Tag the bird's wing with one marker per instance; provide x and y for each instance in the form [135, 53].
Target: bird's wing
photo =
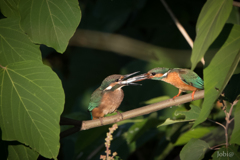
[191, 78]
[95, 99]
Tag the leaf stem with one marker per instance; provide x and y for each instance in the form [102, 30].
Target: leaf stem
[180, 27]
[217, 123]
[228, 121]
[214, 147]
[237, 4]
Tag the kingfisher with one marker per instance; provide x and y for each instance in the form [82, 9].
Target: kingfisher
[108, 97]
[183, 79]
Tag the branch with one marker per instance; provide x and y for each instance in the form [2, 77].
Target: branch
[220, 124]
[237, 4]
[69, 131]
[180, 27]
[68, 121]
[142, 110]
[228, 121]
[126, 46]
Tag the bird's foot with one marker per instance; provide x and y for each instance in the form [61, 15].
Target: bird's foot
[175, 97]
[101, 121]
[179, 92]
[193, 95]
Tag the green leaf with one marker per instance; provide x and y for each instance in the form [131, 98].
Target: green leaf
[220, 70]
[15, 45]
[168, 121]
[51, 22]
[194, 150]
[9, 8]
[235, 138]
[31, 102]
[193, 133]
[234, 16]
[192, 114]
[212, 18]
[157, 99]
[18, 152]
[227, 153]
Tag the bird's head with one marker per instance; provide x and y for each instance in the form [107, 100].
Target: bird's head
[155, 74]
[116, 81]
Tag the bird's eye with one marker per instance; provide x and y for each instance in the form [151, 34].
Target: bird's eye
[153, 73]
[116, 80]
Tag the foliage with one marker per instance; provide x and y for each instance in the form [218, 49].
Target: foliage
[32, 97]
[37, 85]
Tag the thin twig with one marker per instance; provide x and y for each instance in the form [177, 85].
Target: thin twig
[217, 123]
[180, 27]
[178, 24]
[231, 120]
[237, 4]
[217, 146]
[228, 121]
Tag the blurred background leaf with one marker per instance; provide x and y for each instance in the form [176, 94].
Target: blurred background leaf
[194, 150]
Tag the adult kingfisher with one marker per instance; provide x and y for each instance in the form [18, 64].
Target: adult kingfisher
[183, 79]
[108, 97]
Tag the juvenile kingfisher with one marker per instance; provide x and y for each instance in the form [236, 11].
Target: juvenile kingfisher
[108, 97]
[183, 79]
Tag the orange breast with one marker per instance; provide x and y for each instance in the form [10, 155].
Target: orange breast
[174, 79]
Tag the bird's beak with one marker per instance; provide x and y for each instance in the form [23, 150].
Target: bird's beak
[129, 75]
[134, 79]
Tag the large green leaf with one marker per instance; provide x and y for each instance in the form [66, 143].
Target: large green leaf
[212, 18]
[15, 45]
[9, 8]
[194, 150]
[220, 70]
[50, 22]
[19, 152]
[31, 102]
[235, 138]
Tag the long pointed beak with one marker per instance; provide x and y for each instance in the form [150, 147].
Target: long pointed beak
[134, 79]
[129, 75]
